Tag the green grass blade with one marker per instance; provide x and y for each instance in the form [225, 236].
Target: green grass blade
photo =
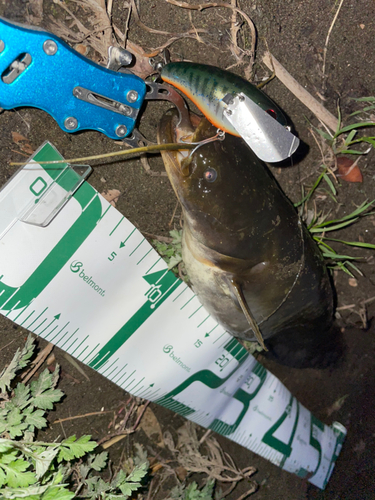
[364, 99]
[310, 193]
[355, 214]
[354, 243]
[351, 136]
[349, 152]
[330, 183]
[348, 128]
[364, 110]
[326, 226]
[353, 266]
[345, 269]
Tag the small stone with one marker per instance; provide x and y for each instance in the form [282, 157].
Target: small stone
[352, 282]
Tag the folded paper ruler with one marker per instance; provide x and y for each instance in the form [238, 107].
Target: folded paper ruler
[77, 273]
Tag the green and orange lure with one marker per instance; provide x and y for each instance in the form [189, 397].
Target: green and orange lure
[206, 86]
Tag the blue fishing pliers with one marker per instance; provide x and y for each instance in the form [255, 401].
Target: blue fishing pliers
[39, 70]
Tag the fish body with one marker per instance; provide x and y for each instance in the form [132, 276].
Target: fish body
[207, 85]
[244, 246]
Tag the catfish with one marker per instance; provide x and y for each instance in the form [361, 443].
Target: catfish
[249, 257]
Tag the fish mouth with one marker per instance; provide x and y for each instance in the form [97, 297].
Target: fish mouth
[169, 132]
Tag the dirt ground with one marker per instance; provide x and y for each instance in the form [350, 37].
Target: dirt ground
[295, 32]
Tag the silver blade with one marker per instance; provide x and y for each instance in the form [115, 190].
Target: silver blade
[269, 140]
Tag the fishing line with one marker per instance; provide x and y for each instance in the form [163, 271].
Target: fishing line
[143, 149]
[220, 136]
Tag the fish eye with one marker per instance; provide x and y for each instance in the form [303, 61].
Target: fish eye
[210, 175]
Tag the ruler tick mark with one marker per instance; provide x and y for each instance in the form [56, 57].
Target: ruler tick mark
[89, 354]
[36, 319]
[200, 324]
[136, 248]
[186, 288]
[116, 226]
[186, 303]
[145, 255]
[153, 265]
[191, 315]
[78, 346]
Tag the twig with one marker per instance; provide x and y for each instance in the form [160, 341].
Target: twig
[127, 416]
[326, 44]
[305, 97]
[82, 416]
[194, 28]
[159, 32]
[148, 169]
[234, 28]
[19, 153]
[163, 239]
[249, 492]
[141, 415]
[204, 437]
[367, 301]
[109, 9]
[62, 428]
[174, 213]
[157, 50]
[42, 356]
[11, 342]
[115, 439]
[344, 308]
[200, 7]
[127, 23]
[108, 441]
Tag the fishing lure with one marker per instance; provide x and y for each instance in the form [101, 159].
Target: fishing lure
[207, 86]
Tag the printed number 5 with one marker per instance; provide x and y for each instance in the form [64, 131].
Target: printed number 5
[113, 255]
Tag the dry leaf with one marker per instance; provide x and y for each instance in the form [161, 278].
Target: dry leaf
[34, 14]
[23, 143]
[142, 66]
[150, 425]
[156, 467]
[51, 359]
[181, 473]
[336, 405]
[113, 441]
[81, 48]
[348, 170]
[18, 137]
[112, 195]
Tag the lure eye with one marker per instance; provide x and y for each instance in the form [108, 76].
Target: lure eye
[210, 175]
[272, 113]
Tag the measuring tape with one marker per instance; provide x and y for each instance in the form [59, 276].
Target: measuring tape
[77, 273]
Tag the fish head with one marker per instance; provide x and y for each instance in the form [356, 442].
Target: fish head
[224, 190]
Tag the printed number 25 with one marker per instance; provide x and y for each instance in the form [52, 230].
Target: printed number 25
[274, 442]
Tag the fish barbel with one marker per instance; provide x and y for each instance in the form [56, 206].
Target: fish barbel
[250, 259]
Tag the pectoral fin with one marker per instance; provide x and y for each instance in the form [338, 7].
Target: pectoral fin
[237, 290]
